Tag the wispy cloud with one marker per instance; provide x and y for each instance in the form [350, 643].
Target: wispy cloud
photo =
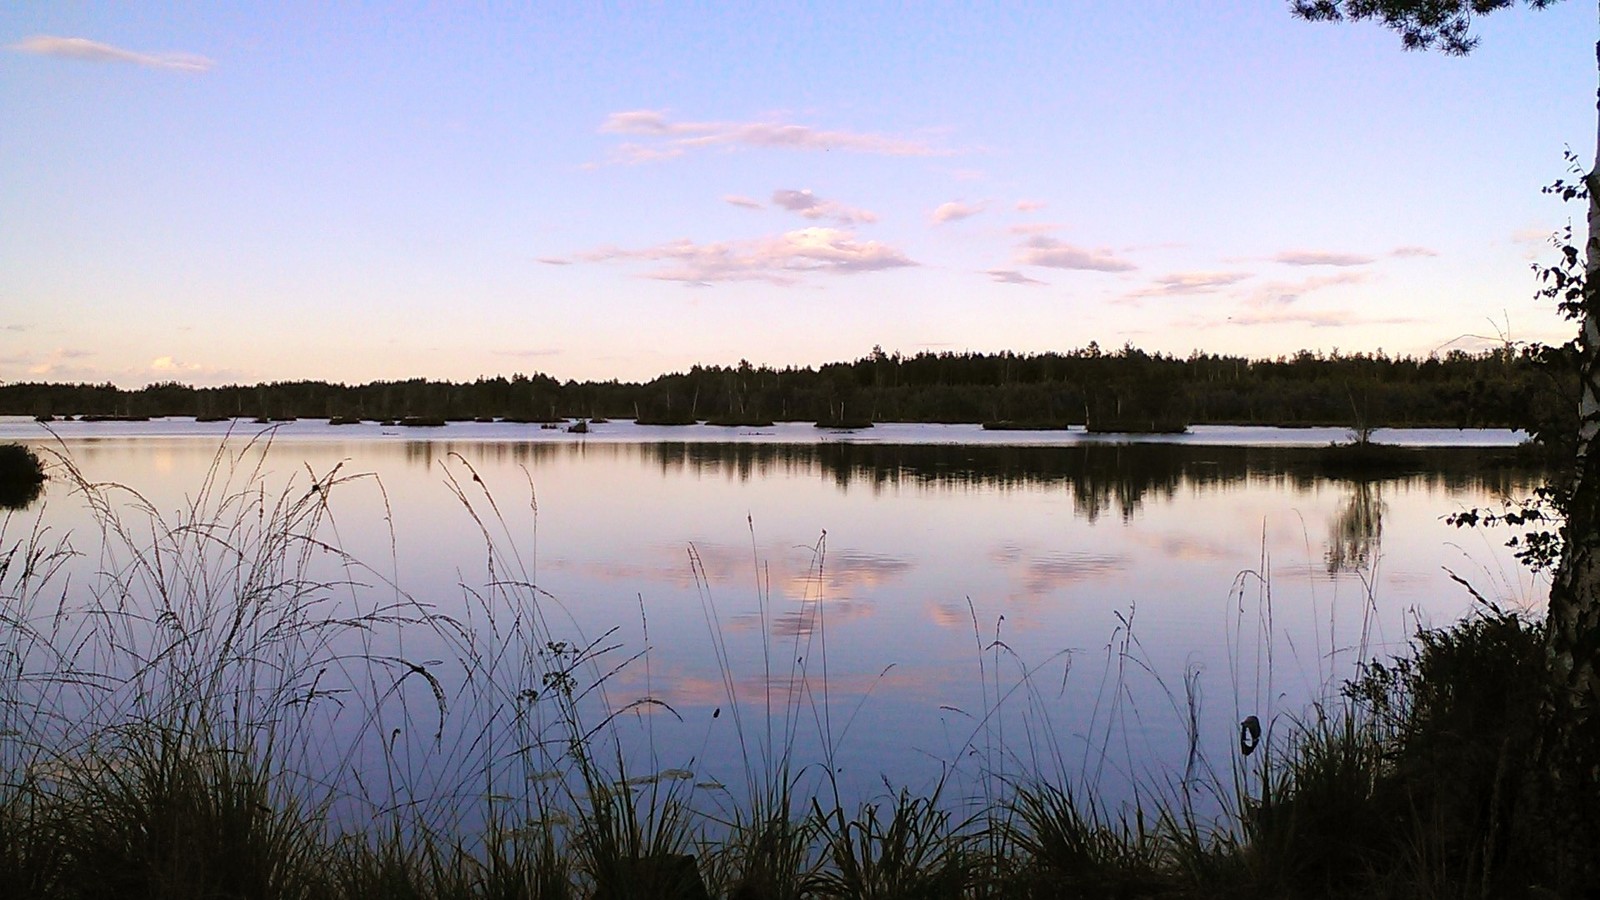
[555, 261]
[1316, 318]
[1012, 276]
[94, 51]
[663, 138]
[63, 364]
[809, 206]
[742, 202]
[1278, 303]
[1283, 293]
[1412, 251]
[1177, 283]
[529, 353]
[1029, 205]
[955, 211]
[78, 364]
[635, 154]
[781, 260]
[1034, 228]
[1053, 253]
[170, 365]
[1321, 258]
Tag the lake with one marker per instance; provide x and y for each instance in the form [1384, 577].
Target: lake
[908, 602]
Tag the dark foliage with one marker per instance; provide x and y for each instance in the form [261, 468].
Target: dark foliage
[1421, 24]
[1457, 787]
[21, 476]
[1506, 387]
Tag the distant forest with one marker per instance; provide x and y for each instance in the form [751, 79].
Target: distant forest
[1505, 387]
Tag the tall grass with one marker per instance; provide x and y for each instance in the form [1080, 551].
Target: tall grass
[220, 702]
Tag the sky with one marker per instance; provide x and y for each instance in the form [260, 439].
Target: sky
[220, 193]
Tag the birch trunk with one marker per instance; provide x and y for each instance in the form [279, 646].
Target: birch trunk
[1574, 621]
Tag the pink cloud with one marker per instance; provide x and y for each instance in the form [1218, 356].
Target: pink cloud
[955, 210]
[1191, 283]
[1328, 318]
[1056, 254]
[1012, 276]
[1029, 205]
[1412, 251]
[1283, 293]
[1277, 303]
[1321, 258]
[809, 206]
[94, 51]
[742, 202]
[782, 260]
[1034, 228]
[670, 138]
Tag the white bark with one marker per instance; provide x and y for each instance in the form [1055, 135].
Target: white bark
[1574, 623]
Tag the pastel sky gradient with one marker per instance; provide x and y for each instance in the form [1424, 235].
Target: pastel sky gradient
[212, 194]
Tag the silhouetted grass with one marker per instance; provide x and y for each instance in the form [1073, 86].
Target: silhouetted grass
[225, 711]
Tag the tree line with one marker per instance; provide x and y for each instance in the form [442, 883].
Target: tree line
[1504, 387]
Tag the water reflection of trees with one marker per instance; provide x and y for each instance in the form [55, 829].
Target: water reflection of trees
[1357, 530]
[19, 493]
[1100, 477]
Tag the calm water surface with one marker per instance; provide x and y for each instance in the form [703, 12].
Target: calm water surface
[977, 598]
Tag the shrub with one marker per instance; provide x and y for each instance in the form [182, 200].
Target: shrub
[21, 476]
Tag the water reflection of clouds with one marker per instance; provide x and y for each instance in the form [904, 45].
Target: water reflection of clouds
[850, 570]
[951, 615]
[682, 690]
[786, 575]
[1185, 547]
[797, 569]
[802, 622]
[1058, 570]
[838, 583]
[1042, 574]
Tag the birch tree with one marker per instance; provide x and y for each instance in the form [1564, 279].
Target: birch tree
[1572, 748]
